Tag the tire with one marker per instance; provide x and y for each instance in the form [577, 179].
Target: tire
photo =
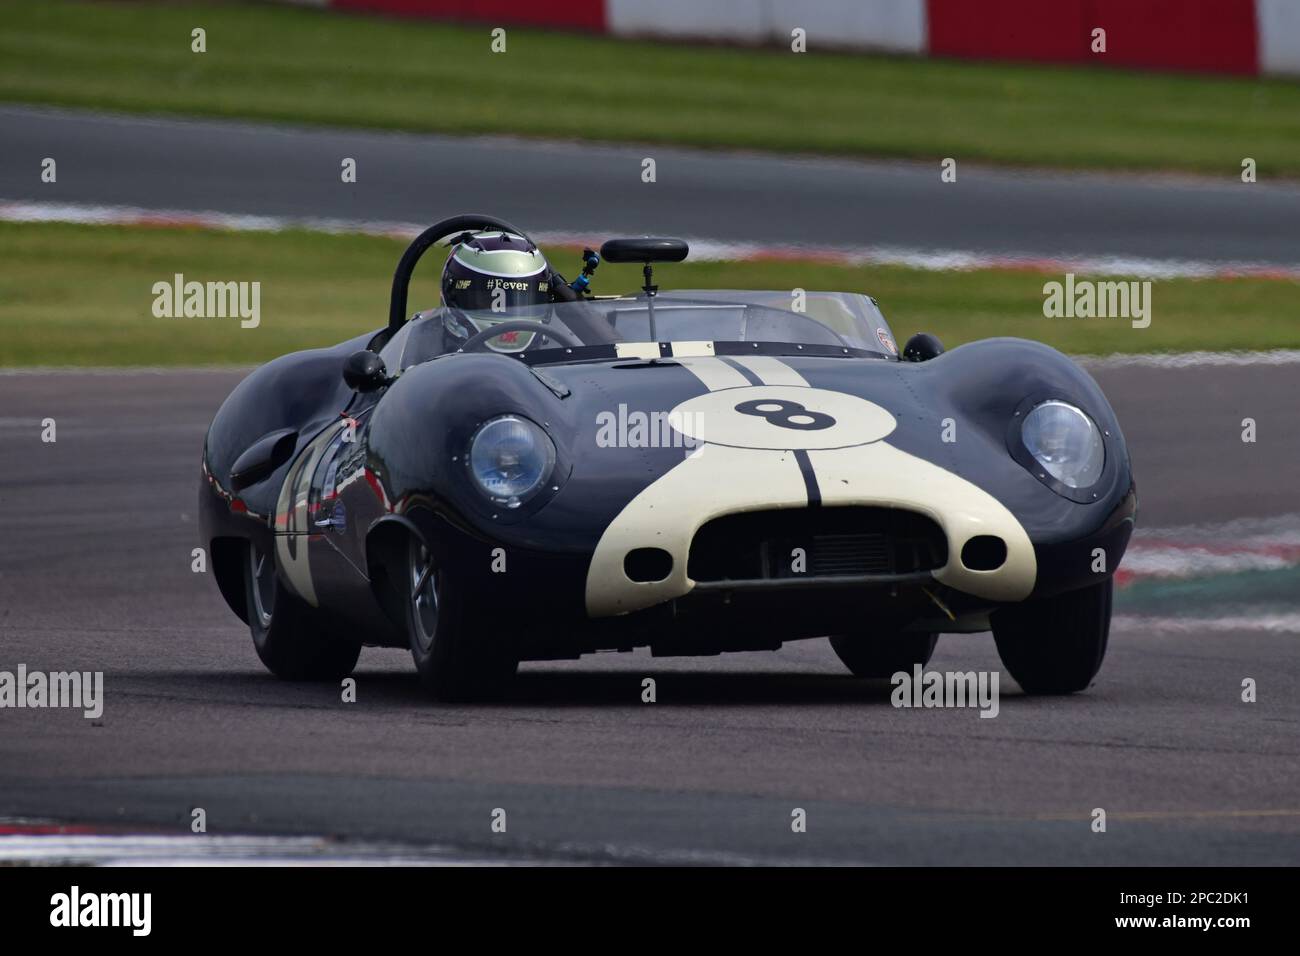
[1055, 645]
[868, 655]
[292, 638]
[454, 662]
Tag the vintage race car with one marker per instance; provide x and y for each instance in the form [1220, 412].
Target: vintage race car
[695, 472]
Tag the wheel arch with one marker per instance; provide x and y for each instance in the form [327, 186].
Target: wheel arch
[386, 555]
[228, 555]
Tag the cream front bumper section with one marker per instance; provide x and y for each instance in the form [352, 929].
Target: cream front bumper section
[741, 466]
[723, 480]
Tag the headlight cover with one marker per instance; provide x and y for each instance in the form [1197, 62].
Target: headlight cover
[1065, 442]
[510, 459]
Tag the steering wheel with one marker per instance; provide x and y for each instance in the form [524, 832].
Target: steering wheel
[520, 325]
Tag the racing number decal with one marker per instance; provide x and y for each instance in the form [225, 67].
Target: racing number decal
[786, 414]
[781, 418]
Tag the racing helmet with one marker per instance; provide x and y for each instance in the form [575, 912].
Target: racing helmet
[494, 277]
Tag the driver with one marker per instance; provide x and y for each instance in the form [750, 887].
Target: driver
[490, 278]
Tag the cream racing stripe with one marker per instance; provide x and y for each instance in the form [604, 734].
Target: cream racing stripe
[651, 350]
[292, 521]
[692, 349]
[668, 513]
[714, 373]
[637, 350]
[880, 474]
[772, 371]
[717, 374]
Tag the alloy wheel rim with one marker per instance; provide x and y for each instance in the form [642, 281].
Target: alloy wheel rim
[263, 568]
[424, 594]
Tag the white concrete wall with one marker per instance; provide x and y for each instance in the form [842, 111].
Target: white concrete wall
[895, 25]
[1278, 22]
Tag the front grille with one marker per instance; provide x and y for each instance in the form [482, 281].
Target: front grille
[833, 541]
[844, 554]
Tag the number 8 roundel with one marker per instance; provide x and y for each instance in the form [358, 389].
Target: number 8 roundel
[786, 414]
[782, 417]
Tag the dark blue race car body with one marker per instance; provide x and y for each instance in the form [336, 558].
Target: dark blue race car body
[739, 480]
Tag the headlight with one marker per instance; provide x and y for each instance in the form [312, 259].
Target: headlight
[510, 458]
[1065, 442]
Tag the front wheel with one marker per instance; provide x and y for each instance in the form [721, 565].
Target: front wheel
[454, 663]
[869, 655]
[1055, 645]
[291, 637]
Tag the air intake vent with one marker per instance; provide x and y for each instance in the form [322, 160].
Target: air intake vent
[984, 552]
[806, 542]
[647, 564]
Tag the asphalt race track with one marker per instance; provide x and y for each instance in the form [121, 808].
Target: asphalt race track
[202, 165]
[95, 574]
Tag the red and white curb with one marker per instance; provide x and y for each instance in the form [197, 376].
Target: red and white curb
[1193, 560]
[1210, 553]
[703, 249]
[1195, 551]
[1230, 36]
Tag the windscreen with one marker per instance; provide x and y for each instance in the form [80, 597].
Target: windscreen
[798, 318]
[831, 319]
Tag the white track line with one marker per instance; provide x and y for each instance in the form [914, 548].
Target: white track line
[211, 850]
[1144, 561]
[1265, 623]
[703, 249]
[1282, 529]
[1184, 360]
[42, 370]
[136, 849]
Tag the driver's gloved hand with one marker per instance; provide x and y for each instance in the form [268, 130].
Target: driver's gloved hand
[560, 289]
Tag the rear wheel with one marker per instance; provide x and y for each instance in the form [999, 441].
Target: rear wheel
[868, 655]
[1055, 645]
[292, 638]
[454, 663]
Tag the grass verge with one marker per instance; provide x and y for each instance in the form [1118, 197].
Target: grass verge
[82, 295]
[309, 66]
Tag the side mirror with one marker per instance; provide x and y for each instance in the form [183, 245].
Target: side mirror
[365, 371]
[921, 347]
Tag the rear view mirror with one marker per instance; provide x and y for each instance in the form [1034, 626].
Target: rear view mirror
[644, 249]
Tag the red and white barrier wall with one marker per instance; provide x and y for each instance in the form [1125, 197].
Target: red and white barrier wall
[1227, 36]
